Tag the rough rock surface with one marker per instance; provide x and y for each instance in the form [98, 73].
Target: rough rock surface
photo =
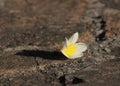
[32, 33]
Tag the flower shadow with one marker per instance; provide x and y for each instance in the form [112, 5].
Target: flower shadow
[53, 55]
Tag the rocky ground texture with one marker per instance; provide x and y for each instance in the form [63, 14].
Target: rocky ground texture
[32, 33]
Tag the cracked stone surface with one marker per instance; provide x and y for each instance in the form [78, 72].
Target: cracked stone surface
[32, 34]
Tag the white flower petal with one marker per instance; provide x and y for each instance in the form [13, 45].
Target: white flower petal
[81, 47]
[66, 40]
[73, 39]
[78, 55]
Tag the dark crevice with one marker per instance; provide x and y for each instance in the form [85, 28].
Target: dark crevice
[62, 80]
[101, 37]
[100, 30]
[77, 80]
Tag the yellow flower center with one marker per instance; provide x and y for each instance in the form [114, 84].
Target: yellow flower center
[70, 50]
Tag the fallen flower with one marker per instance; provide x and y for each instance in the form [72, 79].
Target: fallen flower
[72, 49]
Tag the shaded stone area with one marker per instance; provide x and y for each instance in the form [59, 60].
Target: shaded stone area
[32, 34]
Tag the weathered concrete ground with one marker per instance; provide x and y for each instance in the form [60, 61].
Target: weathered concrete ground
[33, 31]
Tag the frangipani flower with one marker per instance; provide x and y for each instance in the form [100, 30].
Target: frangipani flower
[72, 49]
